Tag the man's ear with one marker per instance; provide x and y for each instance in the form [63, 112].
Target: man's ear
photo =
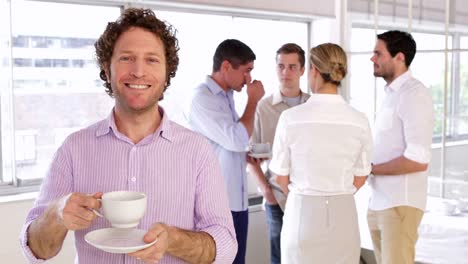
[400, 57]
[225, 66]
[106, 71]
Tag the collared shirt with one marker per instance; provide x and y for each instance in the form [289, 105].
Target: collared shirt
[267, 114]
[322, 144]
[403, 127]
[213, 115]
[175, 167]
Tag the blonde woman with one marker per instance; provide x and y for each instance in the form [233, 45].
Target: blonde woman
[321, 153]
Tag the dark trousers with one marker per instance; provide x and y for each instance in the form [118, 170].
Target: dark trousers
[274, 216]
[241, 224]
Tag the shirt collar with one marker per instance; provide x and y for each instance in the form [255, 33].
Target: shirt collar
[164, 130]
[278, 97]
[398, 82]
[330, 98]
[214, 86]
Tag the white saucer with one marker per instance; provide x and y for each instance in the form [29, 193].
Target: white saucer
[118, 240]
[260, 155]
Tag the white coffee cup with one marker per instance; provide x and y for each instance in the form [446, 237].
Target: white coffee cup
[123, 209]
[260, 148]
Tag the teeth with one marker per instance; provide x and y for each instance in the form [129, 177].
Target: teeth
[138, 86]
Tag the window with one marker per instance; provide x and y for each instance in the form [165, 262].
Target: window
[54, 89]
[200, 34]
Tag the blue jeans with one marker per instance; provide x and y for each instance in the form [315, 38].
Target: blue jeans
[241, 225]
[274, 216]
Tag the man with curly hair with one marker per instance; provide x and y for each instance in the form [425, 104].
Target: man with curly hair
[137, 148]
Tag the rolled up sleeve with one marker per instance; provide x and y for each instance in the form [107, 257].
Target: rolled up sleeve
[416, 112]
[363, 166]
[28, 254]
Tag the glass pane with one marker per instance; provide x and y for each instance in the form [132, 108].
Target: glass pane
[195, 56]
[425, 41]
[461, 126]
[362, 39]
[197, 48]
[56, 83]
[6, 150]
[464, 42]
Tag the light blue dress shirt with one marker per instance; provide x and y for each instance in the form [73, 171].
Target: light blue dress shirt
[213, 114]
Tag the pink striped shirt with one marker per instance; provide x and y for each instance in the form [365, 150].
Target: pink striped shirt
[175, 167]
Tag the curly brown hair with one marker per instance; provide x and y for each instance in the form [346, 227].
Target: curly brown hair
[145, 19]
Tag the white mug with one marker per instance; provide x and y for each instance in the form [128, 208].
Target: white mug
[123, 209]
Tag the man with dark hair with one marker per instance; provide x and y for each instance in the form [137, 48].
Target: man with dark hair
[137, 148]
[290, 61]
[402, 151]
[213, 115]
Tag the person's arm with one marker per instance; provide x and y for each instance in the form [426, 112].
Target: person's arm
[72, 212]
[255, 92]
[283, 182]
[363, 166]
[398, 166]
[415, 110]
[265, 187]
[210, 117]
[46, 234]
[254, 165]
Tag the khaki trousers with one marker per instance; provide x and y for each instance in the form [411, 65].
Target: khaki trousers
[394, 233]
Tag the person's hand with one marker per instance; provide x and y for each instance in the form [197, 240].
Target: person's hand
[269, 196]
[75, 210]
[154, 253]
[254, 161]
[255, 89]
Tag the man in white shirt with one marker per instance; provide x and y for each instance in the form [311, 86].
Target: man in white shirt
[290, 66]
[402, 150]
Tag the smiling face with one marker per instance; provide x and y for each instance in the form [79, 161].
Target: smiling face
[137, 71]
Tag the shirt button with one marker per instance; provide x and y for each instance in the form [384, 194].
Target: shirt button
[133, 179]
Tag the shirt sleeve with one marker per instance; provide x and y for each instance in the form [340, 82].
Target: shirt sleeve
[208, 116]
[56, 184]
[212, 213]
[363, 166]
[416, 112]
[280, 162]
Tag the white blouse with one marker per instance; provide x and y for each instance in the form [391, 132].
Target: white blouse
[322, 144]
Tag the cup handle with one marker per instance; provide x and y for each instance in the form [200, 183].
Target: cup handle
[97, 212]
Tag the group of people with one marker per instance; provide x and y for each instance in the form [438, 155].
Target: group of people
[196, 179]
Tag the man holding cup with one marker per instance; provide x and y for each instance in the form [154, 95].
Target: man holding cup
[135, 149]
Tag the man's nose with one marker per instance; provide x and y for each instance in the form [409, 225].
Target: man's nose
[138, 69]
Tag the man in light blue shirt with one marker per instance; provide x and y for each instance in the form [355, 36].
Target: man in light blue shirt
[213, 115]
